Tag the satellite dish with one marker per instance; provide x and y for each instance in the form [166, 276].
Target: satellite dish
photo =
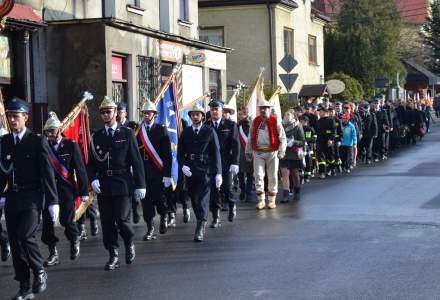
[335, 86]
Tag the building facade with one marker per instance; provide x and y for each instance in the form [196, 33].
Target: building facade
[262, 33]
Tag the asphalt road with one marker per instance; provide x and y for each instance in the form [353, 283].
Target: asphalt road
[374, 234]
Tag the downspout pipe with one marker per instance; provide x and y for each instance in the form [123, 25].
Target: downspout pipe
[269, 12]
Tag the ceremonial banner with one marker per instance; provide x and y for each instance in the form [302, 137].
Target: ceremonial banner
[232, 103]
[275, 101]
[255, 96]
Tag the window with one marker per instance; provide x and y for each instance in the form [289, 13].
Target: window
[215, 84]
[212, 35]
[288, 41]
[313, 55]
[119, 78]
[134, 3]
[184, 10]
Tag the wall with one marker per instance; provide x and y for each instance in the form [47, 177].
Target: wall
[247, 32]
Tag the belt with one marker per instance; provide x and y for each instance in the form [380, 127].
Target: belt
[111, 173]
[196, 156]
[24, 187]
[264, 150]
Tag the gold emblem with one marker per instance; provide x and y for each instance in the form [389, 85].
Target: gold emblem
[100, 151]
[8, 157]
[97, 147]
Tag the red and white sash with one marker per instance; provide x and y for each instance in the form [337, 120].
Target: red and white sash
[150, 148]
[243, 136]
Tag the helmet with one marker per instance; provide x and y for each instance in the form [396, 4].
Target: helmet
[149, 106]
[52, 122]
[197, 108]
[107, 102]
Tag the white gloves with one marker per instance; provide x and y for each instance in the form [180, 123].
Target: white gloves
[166, 182]
[96, 187]
[140, 193]
[233, 169]
[186, 171]
[54, 211]
[290, 142]
[84, 198]
[218, 180]
[2, 202]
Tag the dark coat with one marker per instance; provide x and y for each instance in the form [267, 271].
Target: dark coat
[200, 152]
[32, 172]
[369, 125]
[297, 133]
[160, 140]
[326, 129]
[245, 165]
[123, 154]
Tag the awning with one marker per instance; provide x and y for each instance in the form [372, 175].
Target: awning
[21, 13]
[417, 73]
[314, 90]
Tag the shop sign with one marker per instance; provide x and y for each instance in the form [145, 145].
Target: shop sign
[196, 57]
[117, 67]
[171, 51]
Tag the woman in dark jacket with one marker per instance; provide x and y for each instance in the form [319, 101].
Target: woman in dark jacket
[246, 170]
[293, 161]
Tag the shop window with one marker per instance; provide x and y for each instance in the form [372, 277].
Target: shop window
[149, 77]
[166, 69]
[119, 78]
[313, 51]
[215, 84]
[135, 3]
[184, 10]
[288, 41]
[212, 35]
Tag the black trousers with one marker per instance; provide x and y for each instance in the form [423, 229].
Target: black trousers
[67, 215]
[326, 156]
[22, 227]
[380, 145]
[199, 190]
[179, 195]
[346, 156]
[3, 233]
[115, 216]
[366, 147]
[155, 199]
[223, 195]
[246, 182]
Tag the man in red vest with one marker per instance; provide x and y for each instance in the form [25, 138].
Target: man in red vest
[266, 145]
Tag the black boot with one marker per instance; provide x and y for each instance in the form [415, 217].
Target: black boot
[136, 216]
[24, 293]
[94, 227]
[232, 212]
[52, 260]
[163, 227]
[216, 219]
[150, 235]
[200, 231]
[40, 279]
[296, 196]
[130, 253]
[83, 232]
[186, 215]
[74, 249]
[285, 196]
[113, 262]
[6, 250]
[171, 220]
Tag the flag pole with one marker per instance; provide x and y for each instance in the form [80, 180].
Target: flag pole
[76, 110]
[256, 82]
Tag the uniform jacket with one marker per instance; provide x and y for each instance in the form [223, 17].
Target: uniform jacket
[296, 133]
[122, 155]
[160, 140]
[31, 168]
[382, 120]
[129, 124]
[245, 165]
[369, 125]
[227, 133]
[200, 152]
[69, 155]
[326, 129]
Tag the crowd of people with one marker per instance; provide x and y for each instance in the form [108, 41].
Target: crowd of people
[131, 164]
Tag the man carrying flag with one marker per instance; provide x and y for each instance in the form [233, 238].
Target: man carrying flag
[155, 148]
[71, 180]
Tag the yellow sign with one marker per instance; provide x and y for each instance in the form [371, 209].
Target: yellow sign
[196, 57]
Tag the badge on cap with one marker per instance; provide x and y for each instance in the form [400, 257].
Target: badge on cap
[8, 157]
[97, 147]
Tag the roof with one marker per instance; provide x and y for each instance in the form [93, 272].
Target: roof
[412, 11]
[432, 78]
[313, 90]
[212, 3]
[24, 13]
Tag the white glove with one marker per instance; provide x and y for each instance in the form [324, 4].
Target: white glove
[54, 211]
[218, 180]
[140, 193]
[96, 186]
[290, 143]
[233, 169]
[186, 171]
[2, 202]
[166, 182]
[84, 198]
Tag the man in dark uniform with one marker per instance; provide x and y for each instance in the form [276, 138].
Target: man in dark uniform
[227, 133]
[155, 148]
[122, 119]
[71, 179]
[114, 164]
[369, 132]
[325, 142]
[380, 147]
[311, 114]
[26, 171]
[199, 158]
[246, 172]
[337, 162]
